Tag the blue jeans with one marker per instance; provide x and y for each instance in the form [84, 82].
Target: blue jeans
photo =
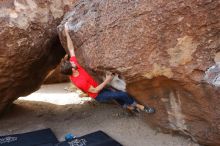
[123, 98]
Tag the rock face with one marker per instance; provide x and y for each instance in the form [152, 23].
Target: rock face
[29, 45]
[162, 49]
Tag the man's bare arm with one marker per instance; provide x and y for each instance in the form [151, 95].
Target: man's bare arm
[102, 85]
[70, 46]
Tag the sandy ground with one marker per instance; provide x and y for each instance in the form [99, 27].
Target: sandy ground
[65, 112]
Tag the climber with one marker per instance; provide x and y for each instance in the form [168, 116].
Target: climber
[86, 83]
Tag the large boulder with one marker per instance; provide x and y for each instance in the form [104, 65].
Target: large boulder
[162, 49]
[29, 45]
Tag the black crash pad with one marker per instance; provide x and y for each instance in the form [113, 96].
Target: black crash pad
[98, 138]
[43, 137]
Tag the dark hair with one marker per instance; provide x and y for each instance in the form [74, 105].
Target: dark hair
[66, 67]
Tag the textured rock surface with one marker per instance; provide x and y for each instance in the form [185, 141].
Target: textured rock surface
[162, 49]
[29, 45]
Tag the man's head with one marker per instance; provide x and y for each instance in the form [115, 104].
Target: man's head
[67, 67]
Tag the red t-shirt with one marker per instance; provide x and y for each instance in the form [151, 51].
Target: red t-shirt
[83, 81]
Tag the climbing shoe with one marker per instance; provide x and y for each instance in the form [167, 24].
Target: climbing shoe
[135, 110]
[149, 110]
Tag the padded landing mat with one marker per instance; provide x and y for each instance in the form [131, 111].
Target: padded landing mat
[43, 137]
[98, 138]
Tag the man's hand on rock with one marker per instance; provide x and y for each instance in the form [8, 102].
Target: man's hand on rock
[109, 76]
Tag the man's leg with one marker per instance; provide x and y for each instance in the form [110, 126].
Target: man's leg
[129, 102]
[146, 109]
[120, 102]
[121, 97]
